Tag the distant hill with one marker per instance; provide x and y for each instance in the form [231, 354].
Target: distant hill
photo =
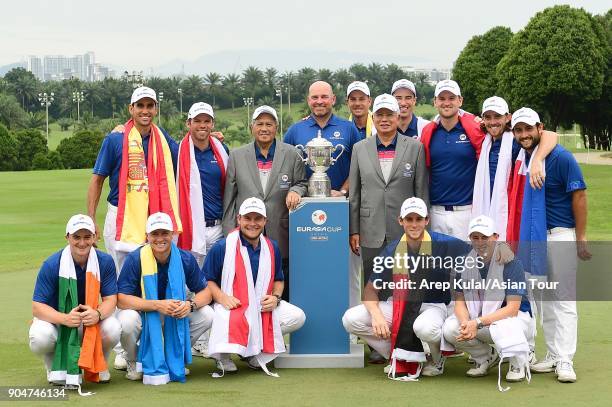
[5, 68]
[236, 61]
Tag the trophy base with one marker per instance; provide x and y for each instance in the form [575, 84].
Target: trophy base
[319, 186]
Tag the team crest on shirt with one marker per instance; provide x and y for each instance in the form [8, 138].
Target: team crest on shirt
[285, 177]
[319, 217]
[408, 166]
[462, 137]
[337, 135]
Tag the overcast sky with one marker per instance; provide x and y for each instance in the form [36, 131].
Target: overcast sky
[139, 34]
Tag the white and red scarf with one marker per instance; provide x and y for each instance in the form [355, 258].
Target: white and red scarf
[189, 185]
[246, 330]
[494, 205]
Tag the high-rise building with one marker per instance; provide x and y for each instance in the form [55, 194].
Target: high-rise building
[59, 67]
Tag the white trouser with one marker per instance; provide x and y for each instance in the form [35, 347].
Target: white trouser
[453, 223]
[43, 336]
[213, 235]
[131, 325]
[290, 317]
[559, 317]
[354, 279]
[427, 326]
[479, 348]
[110, 231]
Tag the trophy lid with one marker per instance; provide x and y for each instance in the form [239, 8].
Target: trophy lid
[319, 142]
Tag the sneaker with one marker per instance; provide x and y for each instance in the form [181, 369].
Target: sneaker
[104, 377]
[132, 374]
[545, 366]
[227, 365]
[456, 354]
[200, 348]
[376, 358]
[120, 361]
[434, 369]
[387, 369]
[565, 372]
[187, 371]
[515, 373]
[482, 369]
[253, 363]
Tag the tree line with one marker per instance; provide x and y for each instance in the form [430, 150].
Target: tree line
[559, 64]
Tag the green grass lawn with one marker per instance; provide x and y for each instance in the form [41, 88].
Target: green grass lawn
[33, 212]
[56, 135]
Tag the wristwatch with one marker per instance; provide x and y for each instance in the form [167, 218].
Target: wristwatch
[192, 305]
[479, 324]
[278, 299]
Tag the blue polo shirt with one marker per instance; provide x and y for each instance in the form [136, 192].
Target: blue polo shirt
[412, 129]
[260, 157]
[130, 278]
[442, 246]
[494, 158]
[213, 265]
[563, 176]
[210, 178]
[453, 167]
[108, 163]
[337, 131]
[513, 273]
[381, 147]
[47, 281]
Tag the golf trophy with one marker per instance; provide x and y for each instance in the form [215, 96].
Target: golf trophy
[319, 158]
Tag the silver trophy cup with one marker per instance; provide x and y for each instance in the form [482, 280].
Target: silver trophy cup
[318, 156]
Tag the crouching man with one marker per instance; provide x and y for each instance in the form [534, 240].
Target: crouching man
[491, 307]
[155, 310]
[397, 327]
[72, 329]
[245, 277]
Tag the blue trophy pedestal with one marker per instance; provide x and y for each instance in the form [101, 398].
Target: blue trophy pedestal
[319, 285]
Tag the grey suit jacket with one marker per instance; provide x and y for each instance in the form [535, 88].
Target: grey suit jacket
[375, 204]
[287, 174]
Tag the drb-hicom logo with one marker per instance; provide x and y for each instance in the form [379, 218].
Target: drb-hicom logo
[319, 217]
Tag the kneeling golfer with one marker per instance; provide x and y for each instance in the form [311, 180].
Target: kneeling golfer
[245, 277]
[398, 326]
[72, 329]
[155, 310]
[491, 307]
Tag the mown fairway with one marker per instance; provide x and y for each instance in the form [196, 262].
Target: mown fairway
[33, 211]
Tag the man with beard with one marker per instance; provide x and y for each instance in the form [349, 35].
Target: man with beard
[321, 100]
[564, 204]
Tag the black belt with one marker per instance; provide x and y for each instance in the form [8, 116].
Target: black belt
[213, 222]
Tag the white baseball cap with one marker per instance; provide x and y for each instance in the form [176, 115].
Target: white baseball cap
[141, 93]
[413, 205]
[525, 115]
[252, 205]
[159, 220]
[495, 104]
[482, 224]
[447, 85]
[200, 108]
[403, 84]
[78, 222]
[358, 85]
[385, 101]
[264, 109]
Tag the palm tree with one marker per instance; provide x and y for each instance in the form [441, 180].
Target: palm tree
[271, 75]
[252, 77]
[212, 80]
[231, 84]
[192, 89]
[23, 84]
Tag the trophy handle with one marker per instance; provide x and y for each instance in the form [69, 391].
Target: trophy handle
[301, 152]
[333, 160]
